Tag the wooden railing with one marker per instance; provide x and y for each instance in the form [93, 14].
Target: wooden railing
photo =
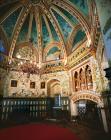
[18, 109]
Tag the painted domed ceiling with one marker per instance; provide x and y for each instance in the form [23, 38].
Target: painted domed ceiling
[43, 29]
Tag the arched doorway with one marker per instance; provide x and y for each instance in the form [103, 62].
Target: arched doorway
[88, 108]
[88, 112]
[54, 88]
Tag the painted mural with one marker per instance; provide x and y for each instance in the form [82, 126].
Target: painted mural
[104, 11]
[45, 33]
[82, 5]
[11, 21]
[73, 20]
[34, 33]
[64, 25]
[80, 35]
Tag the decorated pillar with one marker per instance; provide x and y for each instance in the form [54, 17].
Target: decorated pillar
[84, 86]
[85, 80]
[79, 82]
[39, 38]
[71, 82]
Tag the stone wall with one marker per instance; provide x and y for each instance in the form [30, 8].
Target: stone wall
[61, 77]
[23, 83]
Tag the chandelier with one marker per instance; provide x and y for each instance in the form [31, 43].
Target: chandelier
[24, 66]
[29, 67]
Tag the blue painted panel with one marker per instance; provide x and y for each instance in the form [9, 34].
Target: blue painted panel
[68, 15]
[52, 50]
[34, 33]
[24, 30]
[81, 5]
[65, 27]
[45, 33]
[54, 33]
[9, 23]
[80, 35]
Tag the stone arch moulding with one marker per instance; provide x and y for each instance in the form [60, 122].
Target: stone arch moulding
[49, 46]
[53, 81]
[49, 83]
[88, 96]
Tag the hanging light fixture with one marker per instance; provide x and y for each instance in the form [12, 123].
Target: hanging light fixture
[28, 66]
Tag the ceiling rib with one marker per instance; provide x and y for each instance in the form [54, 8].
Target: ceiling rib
[74, 11]
[17, 29]
[55, 24]
[48, 27]
[63, 16]
[30, 27]
[39, 37]
[9, 12]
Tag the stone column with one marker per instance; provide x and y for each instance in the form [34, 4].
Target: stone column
[78, 82]
[6, 85]
[85, 80]
[74, 110]
[105, 125]
[71, 83]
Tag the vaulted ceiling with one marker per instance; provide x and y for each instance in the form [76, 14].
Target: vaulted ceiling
[49, 26]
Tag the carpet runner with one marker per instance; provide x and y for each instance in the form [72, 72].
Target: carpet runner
[37, 132]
